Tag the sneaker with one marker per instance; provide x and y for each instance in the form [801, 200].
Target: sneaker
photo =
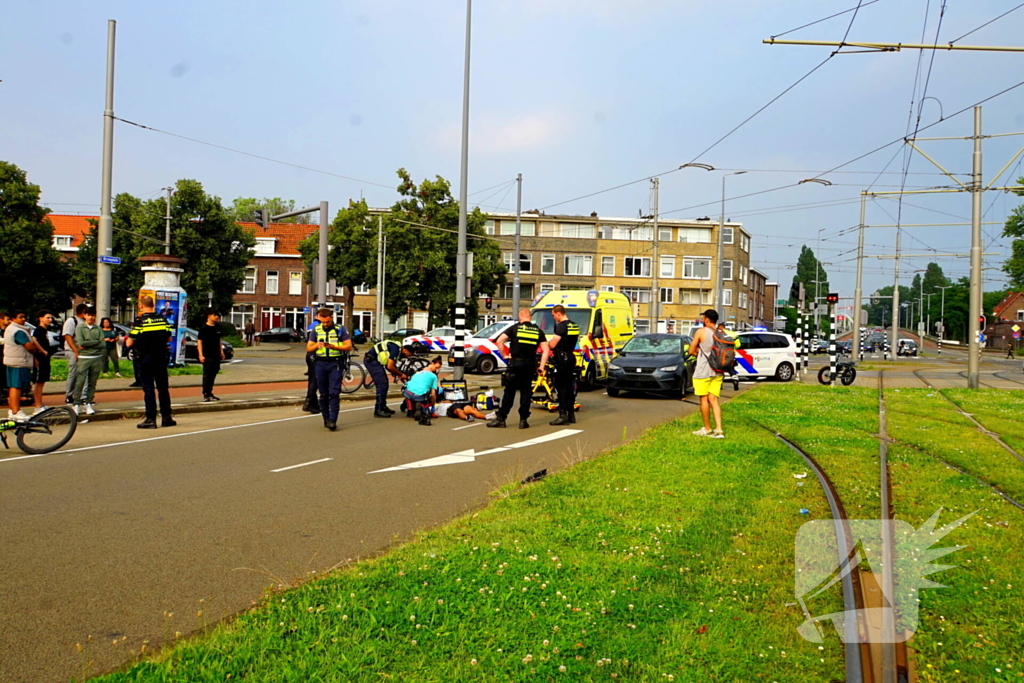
[40, 409]
[77, 408]
[717, 434]
[214, 398]
[702, 432]
[19, 416]
[117, 374]
[89, 410]
[68, 400]
[470, 418]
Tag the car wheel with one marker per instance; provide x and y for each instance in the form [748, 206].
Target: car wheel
[613, 392]
[784, 373]
[486, 365]
[589, 380]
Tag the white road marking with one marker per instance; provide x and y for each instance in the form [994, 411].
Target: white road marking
[311, 462]
[475, 424]
[470, 455]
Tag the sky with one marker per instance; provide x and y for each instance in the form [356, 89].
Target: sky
[578, 96]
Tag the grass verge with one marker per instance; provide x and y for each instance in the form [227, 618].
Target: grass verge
[59, 370]
[999, 411]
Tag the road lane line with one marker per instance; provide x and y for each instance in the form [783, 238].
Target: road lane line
[311, 462]
[470, 455]
[475, 424]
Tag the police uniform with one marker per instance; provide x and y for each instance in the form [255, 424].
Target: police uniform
[523, 340]
[312, 404]
[327, 368]
[376, 363]
[565, 369]
[150, 334]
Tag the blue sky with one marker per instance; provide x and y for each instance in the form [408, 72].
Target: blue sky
[577, 96]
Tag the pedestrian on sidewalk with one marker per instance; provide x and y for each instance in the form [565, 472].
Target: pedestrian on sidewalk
[71, 351]
[1009, 348]
[329, 344]
[149, 339]
[250, 331]
[89, 340]
[41, 371]
[111, 338]
[421, 389]
[380, 361]
[524, 340]
[707, 384]
[211, 352]
[19, 348]
[563, 344]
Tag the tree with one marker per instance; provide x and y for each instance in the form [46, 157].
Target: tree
[33, 275]
[1014, 227]
[812, 274]
[243, 209]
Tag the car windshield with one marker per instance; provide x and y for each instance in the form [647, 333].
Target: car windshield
[492, 330]
[440, 332]
[543, 319]
[653, 345]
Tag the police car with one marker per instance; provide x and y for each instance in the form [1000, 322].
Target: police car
[765, 354]
[482, 354]
[437, 340]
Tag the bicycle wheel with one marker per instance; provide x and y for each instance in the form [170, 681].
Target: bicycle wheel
[47, 431]
[411, 366]
[848, 377]
[352, 378]
[825, 375]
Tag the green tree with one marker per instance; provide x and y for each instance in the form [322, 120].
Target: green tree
[243, 209]
[812, 274]
[33, 274]
[1014, 227]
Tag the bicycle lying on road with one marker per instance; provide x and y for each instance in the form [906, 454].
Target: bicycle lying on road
[43, 432]
[845, 373]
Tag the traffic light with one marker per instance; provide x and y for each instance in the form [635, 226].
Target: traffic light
[981, 323]
[262, 218]
[487, 303]
[832, 298]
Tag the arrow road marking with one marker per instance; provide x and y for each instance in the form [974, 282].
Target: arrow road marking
[471, 454]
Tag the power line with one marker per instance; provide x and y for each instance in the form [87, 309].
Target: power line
[987, 23]
[832, 16]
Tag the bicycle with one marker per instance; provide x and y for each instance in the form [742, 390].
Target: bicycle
[44, 432]
[845, 373]
[354, 375]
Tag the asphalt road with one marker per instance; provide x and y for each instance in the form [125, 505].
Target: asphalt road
[129, 536]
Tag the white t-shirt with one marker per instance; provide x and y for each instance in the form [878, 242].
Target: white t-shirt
[70, 325]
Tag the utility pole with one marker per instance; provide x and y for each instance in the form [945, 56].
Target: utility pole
[105, 228]
[167, 222]
[896, 295]
[460, 261]
[720, 287]
[942, 315]
[857, 293]
[974, 301]
[656, 265]
[517, 256]
[379, 317]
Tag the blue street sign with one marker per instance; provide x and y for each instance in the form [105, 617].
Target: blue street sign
[305, 309]
[112, 260]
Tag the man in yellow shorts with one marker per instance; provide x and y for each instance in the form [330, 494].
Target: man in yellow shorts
[707, 384]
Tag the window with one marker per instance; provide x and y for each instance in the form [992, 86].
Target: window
[666, 295]
[637, 295]
[547, 264]
[526, 228]
[664, 234]
[644, 234]
[744, 242]
[697, 268]
[578, 264]
[727, 297]
[249, 283]
[637, 267]
[489, 227]
[525, 262]
[242, 314]
[641, 326]
[525, 291]
[668, 266]
[607, 288]
[546, 287]
[695, 296]
[743, 274]
[361, 289]
[549, 229]
[743, 299]
[584, 230]
[295, 283]
[61, 241]
[294, 318]
[726, 270]
[727, 234]
[1020, 316]
[265, 245]
[695, 235]
[608, 266]
[272, 280]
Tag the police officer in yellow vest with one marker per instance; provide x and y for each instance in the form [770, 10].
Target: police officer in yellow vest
[328, 344]
[523, 338]
[380, 360]
[563, 345]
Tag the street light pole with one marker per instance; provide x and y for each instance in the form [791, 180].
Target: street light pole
[460, 260]
[105, 227]
[167, 218]
[720, 289]
[656, 265]
[857, 291]
[519, 220]
[974, 305]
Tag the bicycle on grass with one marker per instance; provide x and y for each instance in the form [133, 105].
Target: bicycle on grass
[44, 432]
[354, 376]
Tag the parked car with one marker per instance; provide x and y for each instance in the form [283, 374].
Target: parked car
[438, 339]
[766, 354]
[288, 335]
[192, 346]
[482, 354]
[653, 363]
[399, 335]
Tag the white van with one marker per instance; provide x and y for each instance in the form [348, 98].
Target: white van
[766, 354]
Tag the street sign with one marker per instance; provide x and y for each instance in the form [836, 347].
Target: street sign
[1016, 335]
[781, 302]
[112, 260]
[305, 309]
[1015, 328]
[822, 309]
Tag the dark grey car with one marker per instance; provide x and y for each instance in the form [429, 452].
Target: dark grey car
[653, 363]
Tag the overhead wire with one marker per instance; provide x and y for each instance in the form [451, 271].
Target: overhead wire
[987, 23]
[831, 16]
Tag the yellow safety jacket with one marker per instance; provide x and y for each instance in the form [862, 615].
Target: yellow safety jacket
[382, 350]
[330, 337]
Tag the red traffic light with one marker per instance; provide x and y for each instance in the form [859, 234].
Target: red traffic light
[487, 303]
[832, 298]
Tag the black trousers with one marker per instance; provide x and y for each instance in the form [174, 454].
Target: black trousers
[380, 381]
[210, 369]
[565, 385]
[311, 399]
[153, 378]
[518, 380]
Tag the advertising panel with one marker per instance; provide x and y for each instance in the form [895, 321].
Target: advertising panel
[173, 306]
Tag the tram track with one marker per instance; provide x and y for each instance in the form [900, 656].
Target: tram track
[1007, 379]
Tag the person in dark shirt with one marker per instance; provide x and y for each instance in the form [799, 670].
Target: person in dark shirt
[41, 372]
[563, 344]
[381, 360]
[149, 336]
[523, 338]
[211, 353]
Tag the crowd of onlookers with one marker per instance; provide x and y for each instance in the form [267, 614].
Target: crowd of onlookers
[27, 350]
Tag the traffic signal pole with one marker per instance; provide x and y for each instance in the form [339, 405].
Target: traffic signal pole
[974, 301]
[857, 291]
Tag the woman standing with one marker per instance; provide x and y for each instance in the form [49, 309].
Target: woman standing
[111, 337]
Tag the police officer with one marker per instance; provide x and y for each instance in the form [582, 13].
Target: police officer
[328, 344]
[380, 360]
[148, 339]
[523, 338]
[563, 344]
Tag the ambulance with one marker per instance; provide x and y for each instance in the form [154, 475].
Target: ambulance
[605, 320]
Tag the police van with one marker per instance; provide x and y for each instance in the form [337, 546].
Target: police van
[605, 320]
[764, 354]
